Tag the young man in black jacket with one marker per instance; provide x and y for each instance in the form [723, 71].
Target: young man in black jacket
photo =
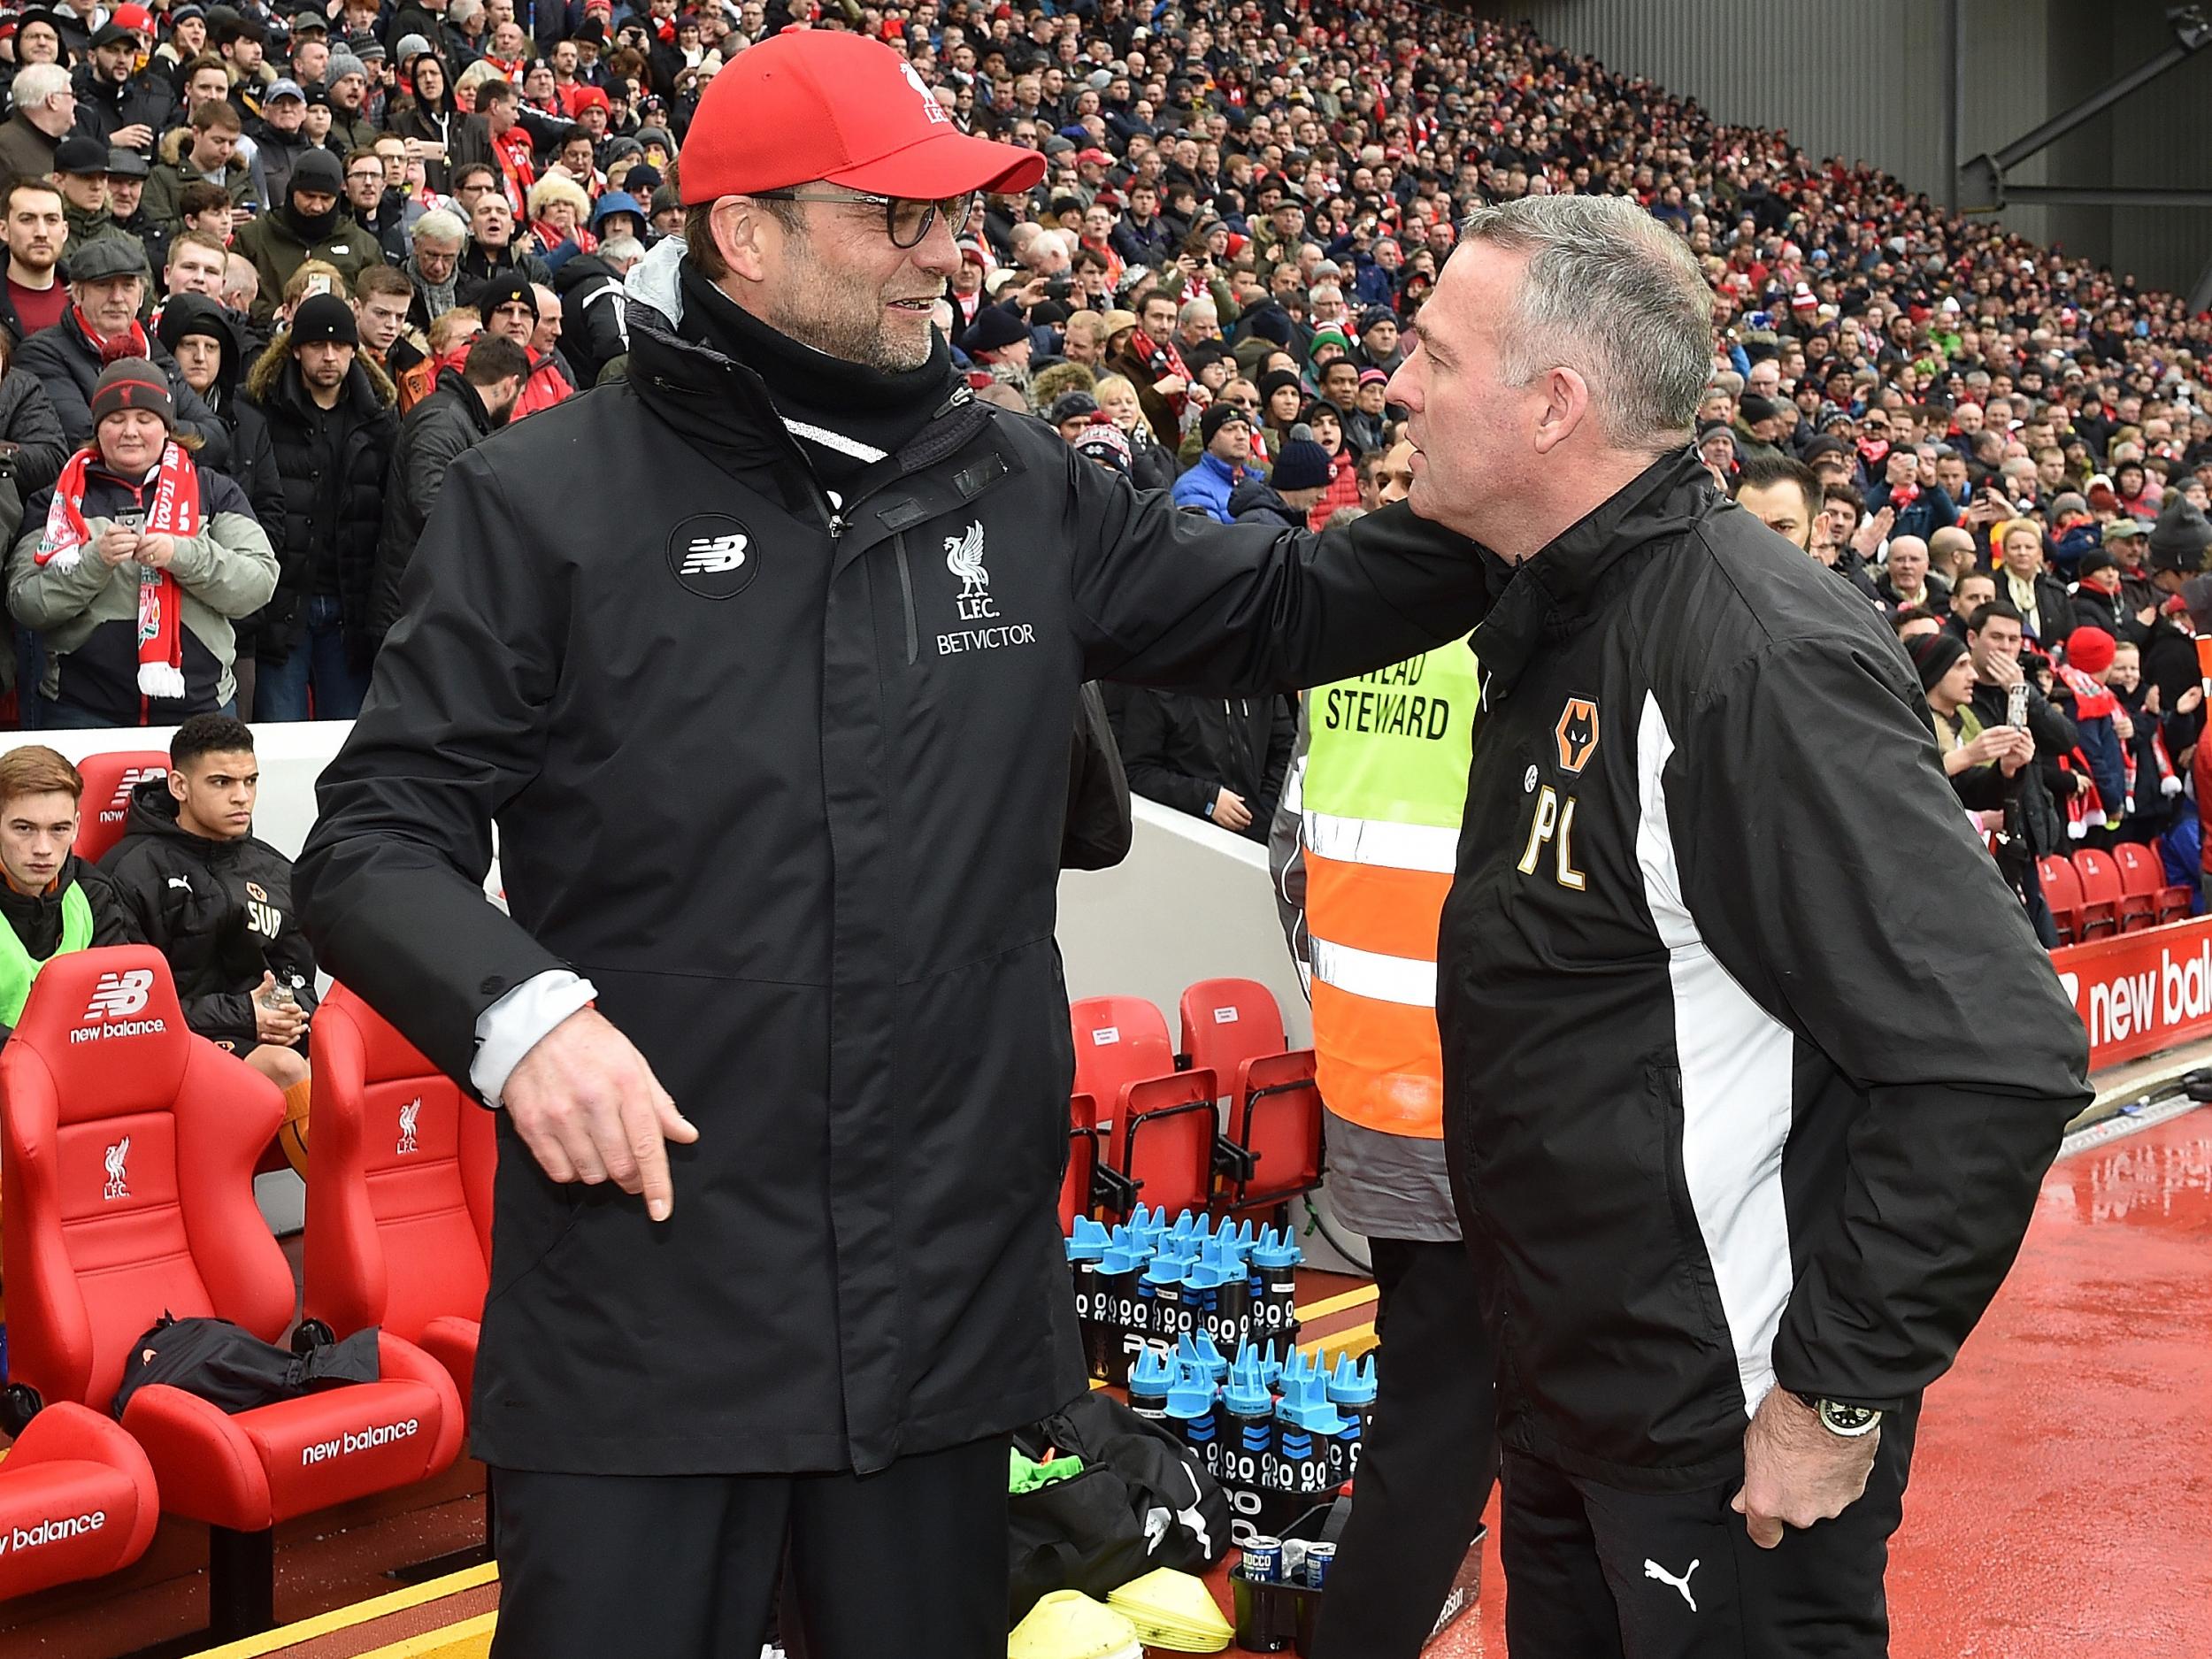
[1219, 758]
[331, 425]
[1744, 1132]
[51, 900]
[217, 901]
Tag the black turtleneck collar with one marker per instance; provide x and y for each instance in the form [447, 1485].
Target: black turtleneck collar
[881, 410]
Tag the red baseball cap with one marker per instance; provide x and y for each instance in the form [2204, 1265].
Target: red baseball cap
[841, 108]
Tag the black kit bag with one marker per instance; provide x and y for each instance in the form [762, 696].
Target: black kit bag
[1143, 1501]
[232, 1368]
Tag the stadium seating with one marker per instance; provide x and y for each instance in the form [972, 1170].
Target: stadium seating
[1234, 1029]
[2100, 895]
[77, 1500]
[126, 1151]
[105, 804]
[1160, 1130]
[2143, 881]
[399, 1190]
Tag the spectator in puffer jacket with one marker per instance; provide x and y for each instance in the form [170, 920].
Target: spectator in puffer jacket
[331, 423]
[1226, 432]
[132, 510]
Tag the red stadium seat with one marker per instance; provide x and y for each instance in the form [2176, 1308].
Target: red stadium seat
[1082, 1166]
[2143, 878]
[2062, 893]
[126, 1155]
[2099, 877]
[108, 783]
[1235, 1028]
[399, 1190]
[1161, 1129]
[77, 1500]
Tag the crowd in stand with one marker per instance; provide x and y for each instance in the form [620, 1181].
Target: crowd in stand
[269, 273]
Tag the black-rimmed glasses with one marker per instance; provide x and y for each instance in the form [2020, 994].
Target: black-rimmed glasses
[906, 219]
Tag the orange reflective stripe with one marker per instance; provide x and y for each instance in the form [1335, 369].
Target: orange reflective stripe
[1379, 1064]
[1371, 908]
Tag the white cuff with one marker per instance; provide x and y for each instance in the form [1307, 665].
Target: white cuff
[511, 1028]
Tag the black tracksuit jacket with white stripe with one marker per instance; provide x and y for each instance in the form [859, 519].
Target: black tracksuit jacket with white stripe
[1753, 1065]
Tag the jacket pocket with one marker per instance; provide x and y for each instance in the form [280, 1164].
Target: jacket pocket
[1694, 1260]
[906, 600]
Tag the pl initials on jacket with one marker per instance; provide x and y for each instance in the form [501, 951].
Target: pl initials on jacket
[1732, 1105]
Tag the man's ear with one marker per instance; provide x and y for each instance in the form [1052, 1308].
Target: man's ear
[1566, 406]
[740, 225]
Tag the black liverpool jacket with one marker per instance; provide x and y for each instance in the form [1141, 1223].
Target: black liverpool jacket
[1730, 1101]
[787, 785]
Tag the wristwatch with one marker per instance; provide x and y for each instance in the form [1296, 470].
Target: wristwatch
[1847, 1422]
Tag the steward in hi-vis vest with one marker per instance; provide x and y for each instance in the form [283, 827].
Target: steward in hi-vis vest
[53, 901]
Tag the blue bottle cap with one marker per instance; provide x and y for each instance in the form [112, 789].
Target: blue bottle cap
[1191, 1398]
[1087, 1242]
[1353, 1381]
[1164, 1269]
[1151, 1374]
[1277, 1250]
[1306, 1405]
[1246, 1393]
[1272, 1366]
[1209, 1354]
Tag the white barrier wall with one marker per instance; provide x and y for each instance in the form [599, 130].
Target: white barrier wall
[1191, 902]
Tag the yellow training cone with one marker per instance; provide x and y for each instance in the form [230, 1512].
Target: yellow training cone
[1068, 1625]
[1173, 1610]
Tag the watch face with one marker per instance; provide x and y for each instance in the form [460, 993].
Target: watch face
[1847, 1419]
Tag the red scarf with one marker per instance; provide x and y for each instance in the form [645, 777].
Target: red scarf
[175, 512]
[1160, 359]
[130, 343]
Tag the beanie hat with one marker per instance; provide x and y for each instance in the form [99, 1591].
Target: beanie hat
[133, 383]
[1217, 417]
[1271, 384]
[341, 64]
[504, 288]
[1303, 465]
[1932, 655]
[187, 314]
[325, 318]
[2178, 538]
[1753, 409]
[1328, 337]
[1103, 441]
[2089, 649]
[1270, 323]
[1070, 405]
[994, 329]
[317, 170]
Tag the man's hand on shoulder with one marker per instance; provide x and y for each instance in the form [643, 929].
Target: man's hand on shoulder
[1796, 1471]
[590, 1110]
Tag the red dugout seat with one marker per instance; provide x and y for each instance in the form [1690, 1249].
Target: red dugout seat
[1077, 1179]
[77, 1500]
[1160, 1129]
[1234, 1029]
[126, 1156]
[399, 1190]
[2100, 895]
[108, 783]
[2143, 881]
[2062, 893]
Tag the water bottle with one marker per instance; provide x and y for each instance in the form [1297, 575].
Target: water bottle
[1190, 1413]
[1352, 1391]
[1149, 1380]
[1246, 1426]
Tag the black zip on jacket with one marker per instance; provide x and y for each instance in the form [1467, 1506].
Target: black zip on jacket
[1730, 1102]
[788, 783]
[220, 911]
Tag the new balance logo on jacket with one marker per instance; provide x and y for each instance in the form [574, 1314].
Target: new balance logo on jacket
[708, 555]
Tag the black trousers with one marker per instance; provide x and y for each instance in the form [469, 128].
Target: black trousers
[1427, 1462]
[1596, 1573]
[911, 1560]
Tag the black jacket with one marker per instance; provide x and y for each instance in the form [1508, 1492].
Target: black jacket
[1181, 750]
[28, 423]
[67, 365]
[478, 265]
[1729, 1105]
[592, 334]
[863, 1013]
[2040, 819]
[104, 107]
[220, 911]
[1099, 827]
[333, 465]
[253, 460]
[432, 436]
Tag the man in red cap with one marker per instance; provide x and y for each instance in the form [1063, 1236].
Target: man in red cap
[778, 753]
